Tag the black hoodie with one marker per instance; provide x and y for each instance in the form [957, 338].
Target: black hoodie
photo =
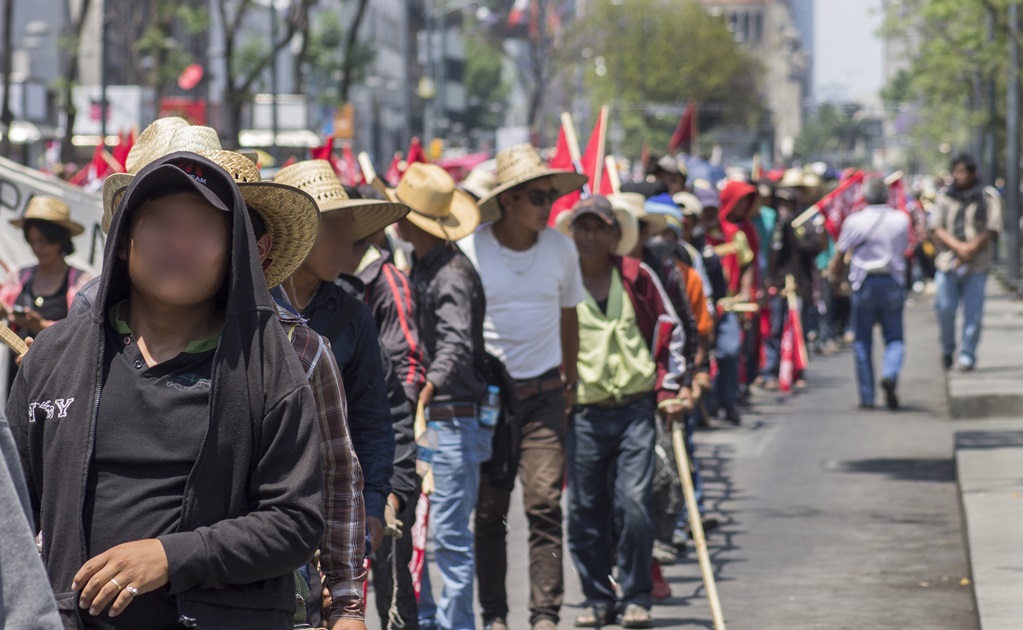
[251, 513]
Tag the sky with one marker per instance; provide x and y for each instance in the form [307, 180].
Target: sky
[848, 57]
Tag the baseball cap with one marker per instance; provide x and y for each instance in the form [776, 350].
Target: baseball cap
[708, 197]
[598, 206]
[184, 171]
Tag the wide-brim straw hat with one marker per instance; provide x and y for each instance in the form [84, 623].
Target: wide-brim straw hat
[318, 179]
[519, 165]
[636, 204]
[628, 225]
[480, 180]
[438, 207]
[51, 210]
[289, 215]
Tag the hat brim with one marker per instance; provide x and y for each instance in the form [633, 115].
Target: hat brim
[292, 221]
[563, 182]
[369, 215]
[75, 229]
[462, 220]
[627, 225]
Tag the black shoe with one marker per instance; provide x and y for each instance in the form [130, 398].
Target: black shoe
[732, 415]
[866, 406]
[946, 361]
[890, 399]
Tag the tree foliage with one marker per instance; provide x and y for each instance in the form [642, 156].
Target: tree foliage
[666, 52]
[485, 87]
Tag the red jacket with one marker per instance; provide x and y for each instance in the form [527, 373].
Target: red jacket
[653, 319]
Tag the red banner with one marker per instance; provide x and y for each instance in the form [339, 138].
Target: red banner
[841, 202]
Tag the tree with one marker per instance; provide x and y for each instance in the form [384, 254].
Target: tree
[321, 59]
[6, 116]
[157, 43]
[247, 56]
[71, 45]
[485, 87]
[666, 52]
[835, 133]
[350, 63]
[953, 56]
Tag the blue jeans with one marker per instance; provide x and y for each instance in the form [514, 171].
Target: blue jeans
[951, 290]
[772, 343]
[879, 301]
[462, 446]
[728, 347]
[610, 477]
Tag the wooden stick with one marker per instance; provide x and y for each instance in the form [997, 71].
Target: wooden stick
[894, 177]
[598, 170]
[571, 138]
[696, 525]
[368, 172]
[13, 341]
[612, 174]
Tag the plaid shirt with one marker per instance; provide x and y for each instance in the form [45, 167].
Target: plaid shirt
[344, 512]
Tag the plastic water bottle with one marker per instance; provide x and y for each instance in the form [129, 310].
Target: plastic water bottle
[426, 446]
[490, 411]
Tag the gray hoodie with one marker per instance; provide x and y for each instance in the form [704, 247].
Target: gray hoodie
[26, 601]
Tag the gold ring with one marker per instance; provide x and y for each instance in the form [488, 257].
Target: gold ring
[117, 584]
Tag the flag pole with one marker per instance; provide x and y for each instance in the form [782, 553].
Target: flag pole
[572, 139]
[598, 170]
[612, 174]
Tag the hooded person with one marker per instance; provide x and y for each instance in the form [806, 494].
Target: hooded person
[188, 448]
[737, 200]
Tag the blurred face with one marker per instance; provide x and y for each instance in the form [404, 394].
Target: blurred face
[741, 209]
[45, 252]
[529, 206]
[710, 217]
[333, 249]
[674, 182]
[177, 249]
[962, 176]
[593, 237]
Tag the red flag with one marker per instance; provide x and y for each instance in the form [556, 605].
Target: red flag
[323, 152]
[125, 143]
[562, 157]
[291, 160]
[841, 202]
[351, 174]
[95, 171]
[793, 351]
[415, 152]
[685, 131]
[591, 165]
[393, 174]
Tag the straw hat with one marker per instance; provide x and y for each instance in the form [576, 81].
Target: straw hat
[480, 180]
[51, 209]
[635, 203]
[149, 145]
[317, 178]
[438, 207]
[290, 215]
[521, 164]
[627, 225]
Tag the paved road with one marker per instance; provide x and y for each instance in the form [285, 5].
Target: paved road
[837, 518]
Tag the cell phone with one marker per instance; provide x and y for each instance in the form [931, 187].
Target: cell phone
[17, 309]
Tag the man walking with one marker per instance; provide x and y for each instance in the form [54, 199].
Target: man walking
[451, 306]
[624, 332]
[876, 238]
[965, 222]
[532, 283]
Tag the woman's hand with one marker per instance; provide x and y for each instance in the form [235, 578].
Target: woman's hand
[31, 321]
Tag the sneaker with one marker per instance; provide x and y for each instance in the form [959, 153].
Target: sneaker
[544, 624]
[495, 624]
[664, 553]
[891, 400]
[680, 539]
[865, 406]
[964, 367]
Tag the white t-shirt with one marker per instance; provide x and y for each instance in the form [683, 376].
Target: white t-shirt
[525, 294]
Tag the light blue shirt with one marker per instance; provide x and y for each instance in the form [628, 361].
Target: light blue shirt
[878, 237]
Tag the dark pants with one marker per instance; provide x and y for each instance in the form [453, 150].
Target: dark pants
[393, 557]
[541, 470]
[772, 344]
[610, 472]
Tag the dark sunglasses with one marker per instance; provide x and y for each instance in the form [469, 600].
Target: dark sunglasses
[540, 198]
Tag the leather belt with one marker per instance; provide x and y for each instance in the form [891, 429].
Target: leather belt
[537, 386]
[445, 411]
[628, 400]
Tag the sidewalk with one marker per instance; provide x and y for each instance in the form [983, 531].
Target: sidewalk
[987, 411]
